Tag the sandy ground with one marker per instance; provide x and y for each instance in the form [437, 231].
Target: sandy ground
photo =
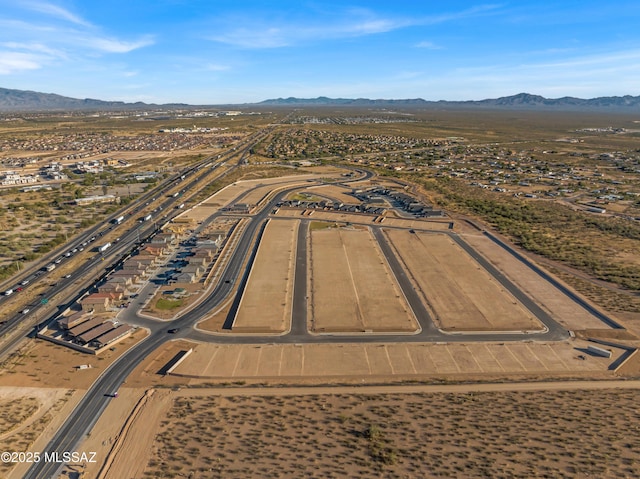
[122, 437]
[131, 435]
[371, 362]
[491, 430]
[47, 365]
[351, 287]
[561, 308]
[337, 193]
[462, 295]
[337, 216]
[418, 224]
[35, 429]
[228, 194]
[266, 302]
[260, 195]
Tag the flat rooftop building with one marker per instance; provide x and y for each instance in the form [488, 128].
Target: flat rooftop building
[85, 326]
[95, 332]
[120, 332]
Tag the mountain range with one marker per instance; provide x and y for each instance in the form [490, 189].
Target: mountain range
[521, 101]
[23, 100]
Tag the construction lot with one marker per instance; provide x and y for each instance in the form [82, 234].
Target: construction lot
[568, 313]
[266, 302]
[376, 360]
[461, 294]
[351, 288]
[247, 192]
[366, 219]
[340, 194]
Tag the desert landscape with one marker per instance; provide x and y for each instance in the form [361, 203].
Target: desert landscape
[510, 430]
[426, 298]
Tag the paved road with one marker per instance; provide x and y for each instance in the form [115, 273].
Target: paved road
[547, 277]
[428, 331]
[299, 303]
[96, 399]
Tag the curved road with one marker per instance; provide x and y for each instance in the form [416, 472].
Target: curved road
[89, 409]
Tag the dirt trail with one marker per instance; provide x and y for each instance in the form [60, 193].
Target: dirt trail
[414, 388]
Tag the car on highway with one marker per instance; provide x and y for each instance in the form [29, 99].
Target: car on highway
[25, 310]
[112, 395]
[24, 282]
[67, 276]
[173, 330]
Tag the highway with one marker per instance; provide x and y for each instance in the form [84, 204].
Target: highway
[68, 290]
[98, 396]
[89, 409]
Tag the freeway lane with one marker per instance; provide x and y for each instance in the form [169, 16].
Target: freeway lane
[85, 415]
[89, 409]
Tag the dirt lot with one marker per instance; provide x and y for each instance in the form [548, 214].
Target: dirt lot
[260, 195]
[372, 362]
[122, 438]
[462, 295]
[28, 416]
[266, 302]
[474, 431]
[337, 193]
[49, 374]
[43, 364]
[418, 224]
[228, 194]
[355, 218]
[351, 287]
[124, 435]
[561, 308]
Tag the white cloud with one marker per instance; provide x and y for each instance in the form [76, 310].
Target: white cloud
[75, 37]
[428, 45]
[588, 76]
[255, 38]
[110, 45]
[33, 47]
[57, 12]
[352, 23]
[15, 62]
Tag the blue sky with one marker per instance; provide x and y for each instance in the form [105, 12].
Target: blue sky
[213, 52]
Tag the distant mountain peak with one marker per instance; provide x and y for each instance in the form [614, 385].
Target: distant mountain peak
[26, 100]
[22, 100]
[522, 101]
